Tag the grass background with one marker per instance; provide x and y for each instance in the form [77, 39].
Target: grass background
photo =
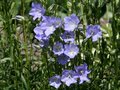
[26, 66]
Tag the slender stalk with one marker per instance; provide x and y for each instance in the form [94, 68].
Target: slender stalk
[25, 43]
[114, 31]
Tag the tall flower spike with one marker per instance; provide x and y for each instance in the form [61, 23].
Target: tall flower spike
[94, 32]
[37, 11]
[58, 48]
[55, 81]
[71, 50]
[82, 72]
[71, 22]
[69, 77]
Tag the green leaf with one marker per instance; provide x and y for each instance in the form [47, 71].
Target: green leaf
[5, 60]
[24, 81]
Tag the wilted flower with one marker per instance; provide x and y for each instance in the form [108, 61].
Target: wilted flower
[82, 72]
[71, 50]
[63, 59]
[49, 24]
[71, 22]
[94, 32]
[55, 81]
[19, 18]
[68, 36]
[69, 77]
[58, 48]
[37, 11]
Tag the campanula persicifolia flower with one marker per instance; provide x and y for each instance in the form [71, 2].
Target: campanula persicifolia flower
[55, 21]
[71, 50]
[58, 48]
[37, 11]
[50, 24]
[68, 36]
[83, 72]
[63, 59]
[69, 77]
[71, 22]
[94, 32]
[39, 33]
[55, 81]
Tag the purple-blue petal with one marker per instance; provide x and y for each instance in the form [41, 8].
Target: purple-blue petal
[63, 59]
[71, 22]
[94, 32]
[71, 50]
[58, 48]
[37, 11]
[55, 81]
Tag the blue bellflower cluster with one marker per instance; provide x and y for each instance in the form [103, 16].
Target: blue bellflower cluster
[45, 28]
[69, 77]
[69, 51]
[65, 49]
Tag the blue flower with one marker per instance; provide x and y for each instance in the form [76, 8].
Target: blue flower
[94, 32]
[82, 72]
[49, 24]
[39, 33]
[71, 22]
[58, 48]
[68, 36]
[69, 77]
[71, 50]
[37, 11]
[56, 22]
[55, 81]
[63, 59]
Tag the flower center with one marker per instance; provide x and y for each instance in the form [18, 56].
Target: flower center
[38, 10]
[71, 52]
[92, 32]
[58, 48]
[68, 36]
[69, 75]
[81, 72]
[55, 79]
